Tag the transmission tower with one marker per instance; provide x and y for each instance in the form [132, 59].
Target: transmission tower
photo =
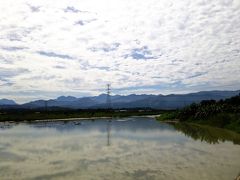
[108, 101]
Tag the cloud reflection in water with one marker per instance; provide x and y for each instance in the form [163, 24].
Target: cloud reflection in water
[139, 148]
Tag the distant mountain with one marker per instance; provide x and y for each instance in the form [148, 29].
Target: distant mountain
[64, 102]
[171, 101]
[174, 101]
[130, 98]
[7, 102]
[66, 98]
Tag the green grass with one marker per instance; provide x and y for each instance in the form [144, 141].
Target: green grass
[166, 116]
[229, 121]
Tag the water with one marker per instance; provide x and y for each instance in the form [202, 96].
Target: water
[129, 148]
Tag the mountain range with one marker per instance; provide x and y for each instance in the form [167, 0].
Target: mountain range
[7, 102]
[171, 101]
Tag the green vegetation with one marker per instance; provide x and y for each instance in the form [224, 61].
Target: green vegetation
[168, 116]
[42, 114]
[222, 114]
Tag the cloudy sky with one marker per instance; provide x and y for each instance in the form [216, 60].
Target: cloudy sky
[74, 47]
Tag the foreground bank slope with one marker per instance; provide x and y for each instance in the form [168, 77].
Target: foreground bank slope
[222, 113]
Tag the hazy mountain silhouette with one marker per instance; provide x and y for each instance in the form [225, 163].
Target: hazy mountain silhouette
[66, 98]
[171, 101]
[7, 102]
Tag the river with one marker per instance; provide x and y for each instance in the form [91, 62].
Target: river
[125, 148]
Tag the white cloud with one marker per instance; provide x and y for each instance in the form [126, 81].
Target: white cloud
[96, 42]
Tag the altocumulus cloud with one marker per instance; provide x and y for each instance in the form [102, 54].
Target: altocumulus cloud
[155, 46]
[8, 72]
[52, 54]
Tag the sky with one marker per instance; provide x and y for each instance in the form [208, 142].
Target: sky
[50, 48]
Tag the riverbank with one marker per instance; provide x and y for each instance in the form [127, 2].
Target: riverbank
[228, 121]
[222, 114]
[67, 115]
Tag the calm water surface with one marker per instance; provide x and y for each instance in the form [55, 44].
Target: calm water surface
[129, 148]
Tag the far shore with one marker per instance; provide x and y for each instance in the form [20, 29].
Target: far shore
[76, 119]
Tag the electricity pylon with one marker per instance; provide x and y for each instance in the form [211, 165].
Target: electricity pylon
[108, 100]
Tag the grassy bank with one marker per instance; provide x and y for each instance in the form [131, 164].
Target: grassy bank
[222, 114]
[41, 114]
